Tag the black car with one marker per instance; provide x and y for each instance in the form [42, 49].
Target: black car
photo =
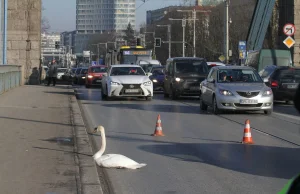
[283, 80]
[157, 76]
[183, 76]
[81, 76]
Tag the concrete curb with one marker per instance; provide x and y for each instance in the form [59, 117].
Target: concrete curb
[88, 180]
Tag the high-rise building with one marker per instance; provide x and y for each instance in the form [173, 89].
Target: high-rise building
[98, 16]
[208, 2]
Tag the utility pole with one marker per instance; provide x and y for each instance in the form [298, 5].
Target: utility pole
[154, 53]
[183, 34]
[194, 18]
[169, 37]
[226, 31]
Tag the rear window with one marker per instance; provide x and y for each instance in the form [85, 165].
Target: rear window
[98, 69]
[287, 75]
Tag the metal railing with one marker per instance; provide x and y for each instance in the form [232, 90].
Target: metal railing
[10, 77]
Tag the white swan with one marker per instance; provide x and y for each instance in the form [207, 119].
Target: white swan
[113, 160]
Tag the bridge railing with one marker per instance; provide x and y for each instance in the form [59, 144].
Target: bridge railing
[10, 77]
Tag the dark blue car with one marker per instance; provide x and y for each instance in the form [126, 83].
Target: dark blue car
[157, 76]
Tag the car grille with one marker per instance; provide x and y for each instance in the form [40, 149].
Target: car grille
[248, 105]
[131, 86]
[95, 81]
[248, 94]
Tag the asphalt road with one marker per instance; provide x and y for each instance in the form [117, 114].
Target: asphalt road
[201, 152]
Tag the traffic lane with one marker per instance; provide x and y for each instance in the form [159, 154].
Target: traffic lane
[199, 152]
[278, 124]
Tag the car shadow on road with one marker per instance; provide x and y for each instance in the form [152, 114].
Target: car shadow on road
[267, 161]
[63, 93]
[157, 108]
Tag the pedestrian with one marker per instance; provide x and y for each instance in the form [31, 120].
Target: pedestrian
[52, 73]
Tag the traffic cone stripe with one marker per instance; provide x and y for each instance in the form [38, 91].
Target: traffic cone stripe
[158, 128]
[247, 126]
[247, 135]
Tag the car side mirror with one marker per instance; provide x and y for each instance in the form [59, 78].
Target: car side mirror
[211, 80]
[149, 74]
[266, 80]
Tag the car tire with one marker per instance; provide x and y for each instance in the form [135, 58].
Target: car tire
[216, 110]
[268, 112]
[174, 96]
[166, 95]
[148, 98]
[203, 106]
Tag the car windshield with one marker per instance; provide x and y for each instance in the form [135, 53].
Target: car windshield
[98, 69]
[115, 71]
[147, 67]
[191, 66]
[84, 71]
[78, 71]
[158, 71]
[238, 75]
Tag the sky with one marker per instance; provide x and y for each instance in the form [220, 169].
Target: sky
[62, 16]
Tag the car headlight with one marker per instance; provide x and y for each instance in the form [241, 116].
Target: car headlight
[114, 83]
[268, 92]
[226, 93]
[90, 76]
[155, 81]
[178, 79]
[148, 83]
[83, 77]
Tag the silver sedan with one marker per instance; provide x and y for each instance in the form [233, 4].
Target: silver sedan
[235, 88]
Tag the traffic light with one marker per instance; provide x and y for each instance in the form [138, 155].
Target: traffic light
[157, 42]
[138, 42]
[56, 45]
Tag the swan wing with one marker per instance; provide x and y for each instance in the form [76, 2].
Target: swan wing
[117, 161]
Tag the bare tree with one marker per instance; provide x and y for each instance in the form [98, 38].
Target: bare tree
[45, 25]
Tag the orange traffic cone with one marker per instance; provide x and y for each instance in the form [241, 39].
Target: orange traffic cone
[247, 139]
[158, 129]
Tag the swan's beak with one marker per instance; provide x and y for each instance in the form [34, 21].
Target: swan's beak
[95, 130]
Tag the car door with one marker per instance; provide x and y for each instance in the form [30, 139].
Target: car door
[104, 80]
[211, 86]
[204, 87]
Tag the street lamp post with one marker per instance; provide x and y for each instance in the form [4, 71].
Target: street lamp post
[183, 26]
[226, 31]
[194, 11]
[169, 37]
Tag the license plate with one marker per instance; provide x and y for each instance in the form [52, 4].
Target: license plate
[246, 101]
[98, 81]
[292, 86]
[195, 88]
[132, 91]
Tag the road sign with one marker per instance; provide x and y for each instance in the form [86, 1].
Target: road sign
[242, 54]
[289, 42]
[289, 29]
[222, 58]
[242, 45]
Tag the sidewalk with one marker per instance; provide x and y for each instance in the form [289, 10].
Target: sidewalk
[39, 152]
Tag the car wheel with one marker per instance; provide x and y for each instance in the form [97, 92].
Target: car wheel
[166, 95]
[174, 96]
[268, 112]
[203, 106]
[148, 98]
[216, 110]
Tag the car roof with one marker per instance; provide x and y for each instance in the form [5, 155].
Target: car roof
[216, 63]
[233, 67]
[126, 65]
[97, 66]
[186, 58]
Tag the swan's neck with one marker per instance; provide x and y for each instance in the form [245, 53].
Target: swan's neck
[103, 143]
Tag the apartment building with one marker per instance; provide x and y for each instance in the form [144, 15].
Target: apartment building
[98, 16]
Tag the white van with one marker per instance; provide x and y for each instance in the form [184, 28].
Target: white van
[148, 64]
